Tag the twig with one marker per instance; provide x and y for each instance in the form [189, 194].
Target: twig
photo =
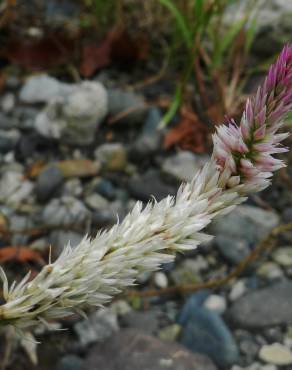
[263, 245]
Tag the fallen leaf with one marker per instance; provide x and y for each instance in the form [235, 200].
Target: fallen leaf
[20, 254]
[95, 57]
[189, 134]
[117, 47]
[40, 54]
[36, 168]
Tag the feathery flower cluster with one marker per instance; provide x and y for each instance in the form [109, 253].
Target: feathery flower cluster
[99, 268]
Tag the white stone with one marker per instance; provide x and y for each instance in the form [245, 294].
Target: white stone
[283, 256]
[216, 303]
[237, 290]
[276, 354]
[14, 189]
[8, 102]
[74, 115]
[160, 280]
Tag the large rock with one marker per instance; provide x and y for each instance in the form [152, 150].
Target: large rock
[262, 308]
[131, 350]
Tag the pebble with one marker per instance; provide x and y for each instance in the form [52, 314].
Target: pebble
[149, 185]
[216, 303]
[233, 249]
[96, 201]
[145, 321]
[49, 181]
[123, 101]
[112, 156]
[70, 362]
[189, 271]
[246, 223]
[59, 239]
[237, 290]
[269, 270]
[8, 140]
[255, 366]
[14, 189]
[276, 354]
[42, 89]
[264, 307]
[160, 280]
[65, 211]
[75, 117]
[8, 102]
[283, 256]
[184, 165]
[170, 333]
[204, 331]
[149, 141]
[98, 327]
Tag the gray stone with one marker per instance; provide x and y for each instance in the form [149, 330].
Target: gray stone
[74, 116]
[70, 362]
[96, 202]
[42, 89]
[246, 222]
[8, 102]
[60, 238]
[131, 350]
[149, 141]
[265, 307]
[48, 182]
[122, 101]
[234, 250]
[98, 327]
[113, 156]
[8, 140]
[144, 321]
[184, 165]
[65, 211]
[149, 185]
[189, 271]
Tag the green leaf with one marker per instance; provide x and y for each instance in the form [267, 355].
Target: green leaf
[226, 41]
[181, 22]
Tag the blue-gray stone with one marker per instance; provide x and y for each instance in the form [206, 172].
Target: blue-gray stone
[106, 189]
[205, 332]
[70, 362]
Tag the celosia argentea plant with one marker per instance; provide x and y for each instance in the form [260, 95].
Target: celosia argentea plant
[97, 269]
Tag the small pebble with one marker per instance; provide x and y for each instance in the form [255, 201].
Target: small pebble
[237, 290]
[216, 303]
[160, 280]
